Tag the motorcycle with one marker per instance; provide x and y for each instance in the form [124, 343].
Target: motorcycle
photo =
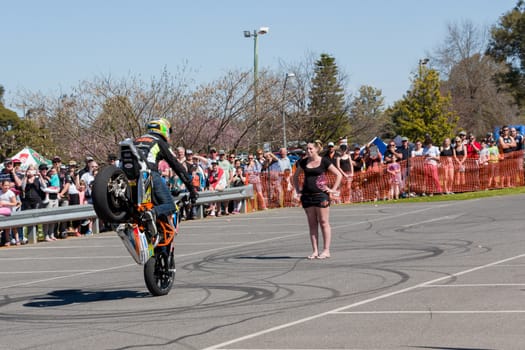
[120, 196]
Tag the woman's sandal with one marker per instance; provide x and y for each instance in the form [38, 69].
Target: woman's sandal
[312, 257]
[323, 256]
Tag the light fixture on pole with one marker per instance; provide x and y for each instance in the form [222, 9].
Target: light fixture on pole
[288, 75]
[255, 34]
[422, 62]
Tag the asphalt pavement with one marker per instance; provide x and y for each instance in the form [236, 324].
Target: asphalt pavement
[440, 275]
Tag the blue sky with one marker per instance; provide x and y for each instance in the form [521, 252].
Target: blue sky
[50, 46]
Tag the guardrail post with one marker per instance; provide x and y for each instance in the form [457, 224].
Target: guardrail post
[32, 233]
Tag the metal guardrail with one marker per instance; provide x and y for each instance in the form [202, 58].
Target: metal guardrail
[34, 217]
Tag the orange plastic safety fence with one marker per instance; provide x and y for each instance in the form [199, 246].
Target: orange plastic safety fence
[275, 190]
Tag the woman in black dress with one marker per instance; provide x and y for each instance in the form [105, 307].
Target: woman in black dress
[315, 195]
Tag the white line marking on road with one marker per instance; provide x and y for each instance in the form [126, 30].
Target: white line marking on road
[67, 276]
[359, 303]
[67, 257]
[475, 285]
[453, 312]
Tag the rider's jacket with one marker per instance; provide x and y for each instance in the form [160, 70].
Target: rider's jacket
[155, 148]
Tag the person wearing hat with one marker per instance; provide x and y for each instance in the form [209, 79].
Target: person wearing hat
[9, 173]
[331, 154]
[463, 137]
[48, 192]
[86, 168]
[357, 160]
[112, 159]
[217, 182]
[390, 152]
[406, 151]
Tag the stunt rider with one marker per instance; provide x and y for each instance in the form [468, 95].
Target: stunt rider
[154, 146]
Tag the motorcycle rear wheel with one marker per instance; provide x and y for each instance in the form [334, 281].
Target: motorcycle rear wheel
[111, 194]
[159, 274]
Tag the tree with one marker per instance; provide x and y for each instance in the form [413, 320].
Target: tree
[463, 40]
[475, 96]
[367, 114]
[507, 45]
[327, 110]
[424, 110]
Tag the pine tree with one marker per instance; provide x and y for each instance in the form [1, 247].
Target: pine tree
[424, 110]
[327, 110]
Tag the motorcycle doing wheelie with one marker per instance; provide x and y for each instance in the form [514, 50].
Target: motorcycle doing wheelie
[121, 195]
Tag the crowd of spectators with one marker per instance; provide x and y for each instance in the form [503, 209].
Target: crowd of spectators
[421, 167]
[46, 187]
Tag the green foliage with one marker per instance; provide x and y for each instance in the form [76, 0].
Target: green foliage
[507, 45]
[327, 110]
[367, 115]
[424, 110]
[16, 133]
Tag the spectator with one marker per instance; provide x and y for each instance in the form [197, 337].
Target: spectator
[345, 166]
[181, 157]
[374, 168]
[8, 204]
[517, 153]
[483, 164]
[392, 151]
[460, 156]
[507, 145]
[315, 196]
[63, 195]
[87, 225]
[357, 160]
[253, 171]
[112, 159]
[493, 168]
[74, 198]
[395, 180]
[9, 173]
[418, 149]
[473, 149]
[51, 198]
[213, 157]
[32, 186]
[331, 153]
[518, 138]
[431, 154]
[238, 180]
[260, 158]
[284, 161]
[228, 169]
[273, 171]
[86, 168]
[13, 173]
[447, 164]
[406, 151]
[463, 137]
[216, 182]
[88, 179]
[358, 165]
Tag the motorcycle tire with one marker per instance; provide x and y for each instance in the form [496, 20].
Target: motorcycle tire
[159, 274]
[110, 194]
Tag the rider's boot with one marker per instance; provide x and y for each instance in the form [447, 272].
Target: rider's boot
[150, 219]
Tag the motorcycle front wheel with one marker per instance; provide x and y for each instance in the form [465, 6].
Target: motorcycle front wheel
[159, 274]
[111, 194]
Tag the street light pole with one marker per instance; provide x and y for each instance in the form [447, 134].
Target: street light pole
[288, 75]
[255, 34]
